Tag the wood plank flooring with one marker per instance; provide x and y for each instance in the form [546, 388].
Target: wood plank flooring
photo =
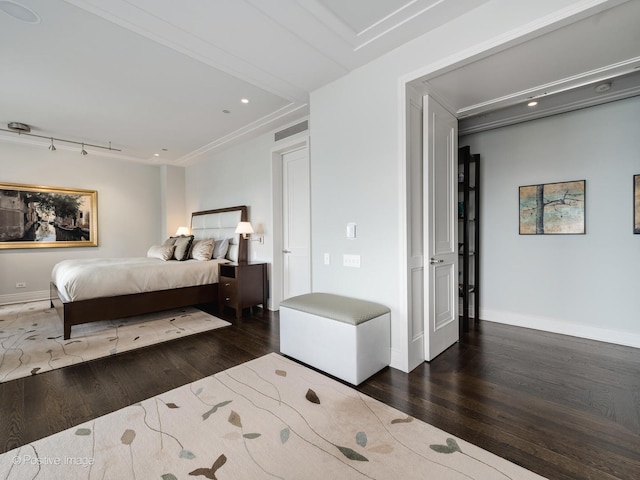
[563, 407]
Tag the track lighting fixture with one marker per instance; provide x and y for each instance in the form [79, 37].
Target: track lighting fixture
[24, 129]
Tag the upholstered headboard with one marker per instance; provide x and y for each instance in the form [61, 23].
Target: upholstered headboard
[221, 223]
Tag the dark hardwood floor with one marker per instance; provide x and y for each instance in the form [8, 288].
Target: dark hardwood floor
[563, 407]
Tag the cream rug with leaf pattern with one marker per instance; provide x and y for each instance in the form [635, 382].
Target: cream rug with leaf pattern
[267, 418]
[31, 339]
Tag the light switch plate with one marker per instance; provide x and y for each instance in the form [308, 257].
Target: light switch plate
[351, 261]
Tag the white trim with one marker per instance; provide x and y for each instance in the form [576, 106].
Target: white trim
[288, 111]
[555, 325]
[24, 297]
[539, 27]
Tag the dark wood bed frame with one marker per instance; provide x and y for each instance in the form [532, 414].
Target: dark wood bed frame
[110, 308]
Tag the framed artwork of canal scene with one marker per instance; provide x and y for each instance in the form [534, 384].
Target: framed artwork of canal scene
[46, 217]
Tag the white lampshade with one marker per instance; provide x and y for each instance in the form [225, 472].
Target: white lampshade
[183, 231]
[244, 228]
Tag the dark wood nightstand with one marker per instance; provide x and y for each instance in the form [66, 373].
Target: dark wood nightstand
[242, 285]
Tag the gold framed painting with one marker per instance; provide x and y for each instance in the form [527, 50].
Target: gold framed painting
[553, 208]
[47, 217]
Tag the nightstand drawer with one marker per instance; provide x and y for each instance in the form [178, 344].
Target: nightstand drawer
[229, 299]
[226, 284]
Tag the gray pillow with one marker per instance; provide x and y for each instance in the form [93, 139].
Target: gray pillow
[163, 252]
[202, 249]
[220, 248]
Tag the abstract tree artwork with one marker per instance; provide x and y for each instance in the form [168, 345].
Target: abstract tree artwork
[552, 208]
[636, 204]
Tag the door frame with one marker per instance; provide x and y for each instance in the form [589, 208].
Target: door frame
[277, 268]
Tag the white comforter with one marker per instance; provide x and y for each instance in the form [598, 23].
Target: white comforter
[106, 277]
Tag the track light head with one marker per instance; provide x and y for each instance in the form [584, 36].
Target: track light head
[52, 147]
[83, 151]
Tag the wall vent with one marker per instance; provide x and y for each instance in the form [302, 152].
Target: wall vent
[292, 130]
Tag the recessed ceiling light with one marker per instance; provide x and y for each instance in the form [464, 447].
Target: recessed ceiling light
[19, 12]
[245, 100]
[226, 111]
[532, 103]
[603, 87]
[156, 154]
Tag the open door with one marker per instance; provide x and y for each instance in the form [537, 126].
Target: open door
[440, 224]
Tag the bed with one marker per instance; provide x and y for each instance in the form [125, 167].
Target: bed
[75, 306]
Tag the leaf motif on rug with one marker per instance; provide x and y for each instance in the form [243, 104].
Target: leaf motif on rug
[281, 373]
[312, 397]
[83, 432]
[214, 409]
[384, 448]
[171, 405]
[234, 419]
[284, 435]
[402, 420]
[169, 476]
[251, 436]
[210, 472]
[361, 439]
[187, 454]
[450, 447]
[351, 454]
[128, 436]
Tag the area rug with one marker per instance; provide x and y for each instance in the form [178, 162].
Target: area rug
[267, 418]
[31, 338]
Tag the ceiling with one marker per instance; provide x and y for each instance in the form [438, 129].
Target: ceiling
[163, 80]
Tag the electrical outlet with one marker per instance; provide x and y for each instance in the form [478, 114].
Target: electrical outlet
[351, 261]
[21, 285]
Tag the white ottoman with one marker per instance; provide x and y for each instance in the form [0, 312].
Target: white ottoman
[344, 337]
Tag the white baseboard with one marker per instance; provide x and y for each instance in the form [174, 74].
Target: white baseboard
[555, 325]
[24, 297]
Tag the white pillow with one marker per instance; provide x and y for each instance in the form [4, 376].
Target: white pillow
[163, 252]
[202, 249]
[220, 248]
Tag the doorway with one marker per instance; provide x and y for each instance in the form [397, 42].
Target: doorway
[291, 270]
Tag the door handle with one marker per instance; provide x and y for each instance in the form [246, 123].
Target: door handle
[435, 261]
[286, 251]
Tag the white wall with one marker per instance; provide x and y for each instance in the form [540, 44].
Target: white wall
[358, 156]
[240, 175]
[128, 211]
[243, 175]
[582, 285]
[173, 209]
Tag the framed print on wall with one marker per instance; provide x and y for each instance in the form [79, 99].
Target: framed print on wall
[552, 208]
[45, 217]
[636, 204]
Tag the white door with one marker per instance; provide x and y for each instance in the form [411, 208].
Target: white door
[296, 242]
[441, 232]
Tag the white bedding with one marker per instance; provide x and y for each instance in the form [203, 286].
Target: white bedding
[105, 277]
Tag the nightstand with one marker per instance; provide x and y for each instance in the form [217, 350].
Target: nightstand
[242, 285]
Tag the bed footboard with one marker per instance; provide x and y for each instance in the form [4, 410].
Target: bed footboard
[111, 308]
